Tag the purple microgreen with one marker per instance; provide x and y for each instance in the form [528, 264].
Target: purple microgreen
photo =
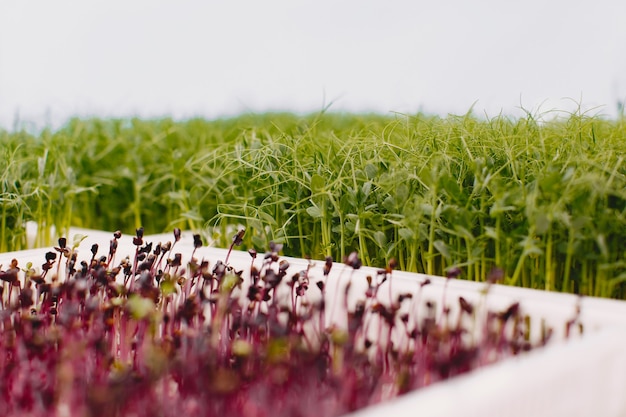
[197, 241]
[138, 239]
[453, 272]
[495, 275]
[353, 260]
[328, 264]
[249, 342]
[237, 241]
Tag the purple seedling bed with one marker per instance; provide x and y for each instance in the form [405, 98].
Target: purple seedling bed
[131, 325]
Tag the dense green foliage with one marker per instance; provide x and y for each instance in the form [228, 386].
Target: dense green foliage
[544, 200]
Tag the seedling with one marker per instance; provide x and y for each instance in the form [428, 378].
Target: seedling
[169, 334]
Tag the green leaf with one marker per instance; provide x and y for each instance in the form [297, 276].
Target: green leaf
[380, 238]
[463, 232]
[230, 282]
[79, 190]
[348, 201]
[568, 174]
[402, 193]
[529, 245]
[542, 223]
[450, 186]
[267, 218]
[168, 287]
[490, 232]
[140, 307]
[406, 233]
[317, 183]
[389, 204]
[550, 182]
[371, 171]
[314, 212]
[366, 189]
[500, 207]
[601, 241]
[78, 238]
[442, 248]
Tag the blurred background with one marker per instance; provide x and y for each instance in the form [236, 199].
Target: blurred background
[183, 59]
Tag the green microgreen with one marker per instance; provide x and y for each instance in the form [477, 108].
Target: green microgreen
[543, 199]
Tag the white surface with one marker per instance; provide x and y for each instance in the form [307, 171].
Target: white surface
[213, 58]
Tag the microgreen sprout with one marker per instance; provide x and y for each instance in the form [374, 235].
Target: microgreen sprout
[520, 194]
[148, 335]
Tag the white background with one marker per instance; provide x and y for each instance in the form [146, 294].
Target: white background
[217, 58]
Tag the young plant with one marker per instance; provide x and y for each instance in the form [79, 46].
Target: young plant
[541, 197]
[154, 334]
